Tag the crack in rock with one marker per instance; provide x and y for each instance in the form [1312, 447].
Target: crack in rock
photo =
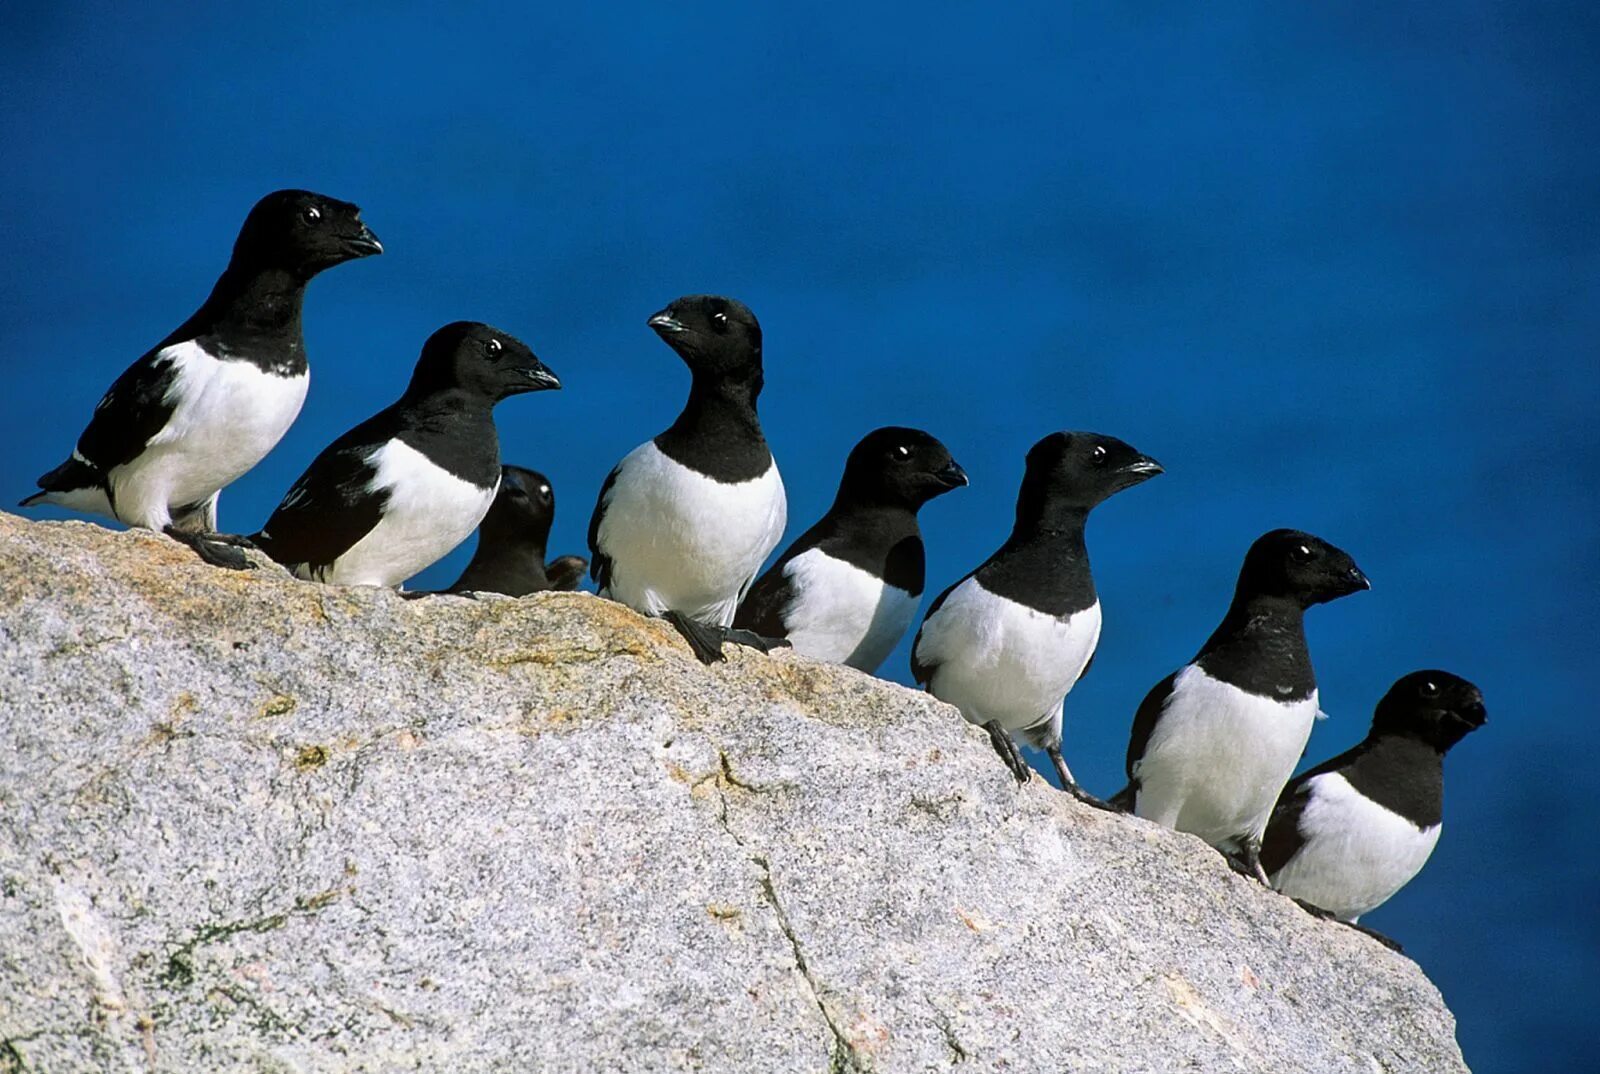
[844, 1058]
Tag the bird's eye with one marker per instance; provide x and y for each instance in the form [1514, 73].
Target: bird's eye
[902, 452]
[1429, 689]
[1301, 554]
[722, 317]
[1098, 456]
[493, 346]
[312, 214]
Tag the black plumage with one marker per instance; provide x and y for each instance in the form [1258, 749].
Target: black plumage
[509, 558]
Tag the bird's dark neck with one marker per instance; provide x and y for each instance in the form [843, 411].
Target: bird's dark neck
[1402, 773]
[455, 428]
[1260, 647]
[1044, 564]
[718, 432]
[874, 514]
[254, 307]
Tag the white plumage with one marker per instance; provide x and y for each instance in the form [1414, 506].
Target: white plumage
[996, 659]
[1219, 757]
[1355, 854]
[843, 614]
[428, 512]
[681, 541]
[227, 416]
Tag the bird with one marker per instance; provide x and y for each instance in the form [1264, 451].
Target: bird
[685, 520]
[847, 591]
[407, 485]
[1007, 642]
[511, 542]
[1349, 833]
[208, 402]
[1214, 742]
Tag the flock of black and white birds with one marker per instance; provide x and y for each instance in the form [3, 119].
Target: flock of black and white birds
[685, 521]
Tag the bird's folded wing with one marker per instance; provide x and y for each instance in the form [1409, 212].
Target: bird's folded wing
[600, 563]
[331, 507]
[134, 409]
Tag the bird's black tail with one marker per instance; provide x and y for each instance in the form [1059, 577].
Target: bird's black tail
[1123, 799]
[74, 475]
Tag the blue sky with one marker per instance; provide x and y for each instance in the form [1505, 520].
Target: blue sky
[1337, 270]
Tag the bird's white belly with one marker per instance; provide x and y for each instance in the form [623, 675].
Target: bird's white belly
[228, 416]
[842, 613]
[1219, 757]
[680, 541]
[1001, 660]
[1356, 853]
[427, 513]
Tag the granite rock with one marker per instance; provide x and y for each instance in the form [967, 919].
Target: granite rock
[249, 823]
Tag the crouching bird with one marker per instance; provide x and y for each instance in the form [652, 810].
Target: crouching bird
[509, 558]
[400, 490]
[1349, 833]
[847, 590]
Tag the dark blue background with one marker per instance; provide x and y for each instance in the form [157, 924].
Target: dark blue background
[1337, 271]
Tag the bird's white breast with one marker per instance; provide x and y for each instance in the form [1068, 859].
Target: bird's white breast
[428, 511]
[1219, 757]
[1356, 853]
[1000, 660]
[226, 416]
[681, 541]
[842, 613]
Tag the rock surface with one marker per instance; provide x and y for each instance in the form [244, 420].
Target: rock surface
[248, 823]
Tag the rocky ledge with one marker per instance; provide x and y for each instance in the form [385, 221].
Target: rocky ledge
[248, 823]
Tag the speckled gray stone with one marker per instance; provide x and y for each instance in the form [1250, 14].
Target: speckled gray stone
[248, 823]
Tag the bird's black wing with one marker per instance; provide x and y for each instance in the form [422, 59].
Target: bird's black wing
[135, 408]
[763, 606]
[600, 563]
[1283, 840]
[919, 671]
[565, 573]
[1145, 720]
[331, 506]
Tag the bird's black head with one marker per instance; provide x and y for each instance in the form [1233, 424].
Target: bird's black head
[524, 507]
[302, 233]
[481, 359]
[713, 335]
[904, 467]
[1435, 707]
[1300, 567]
[1076, 471]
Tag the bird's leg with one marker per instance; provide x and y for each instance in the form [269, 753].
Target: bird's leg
[706, 640]
[1252, 859]
[751, 639]
[235, 540]
[1070, 785]
[1007, 749]
[1328, 915]
[213, 548]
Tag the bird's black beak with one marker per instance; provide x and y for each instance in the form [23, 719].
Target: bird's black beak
[952, 476]
[539, 377]
[364, 243]
[1358, 580]
[1473, 715]
[666, 324]
[1140, 469]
